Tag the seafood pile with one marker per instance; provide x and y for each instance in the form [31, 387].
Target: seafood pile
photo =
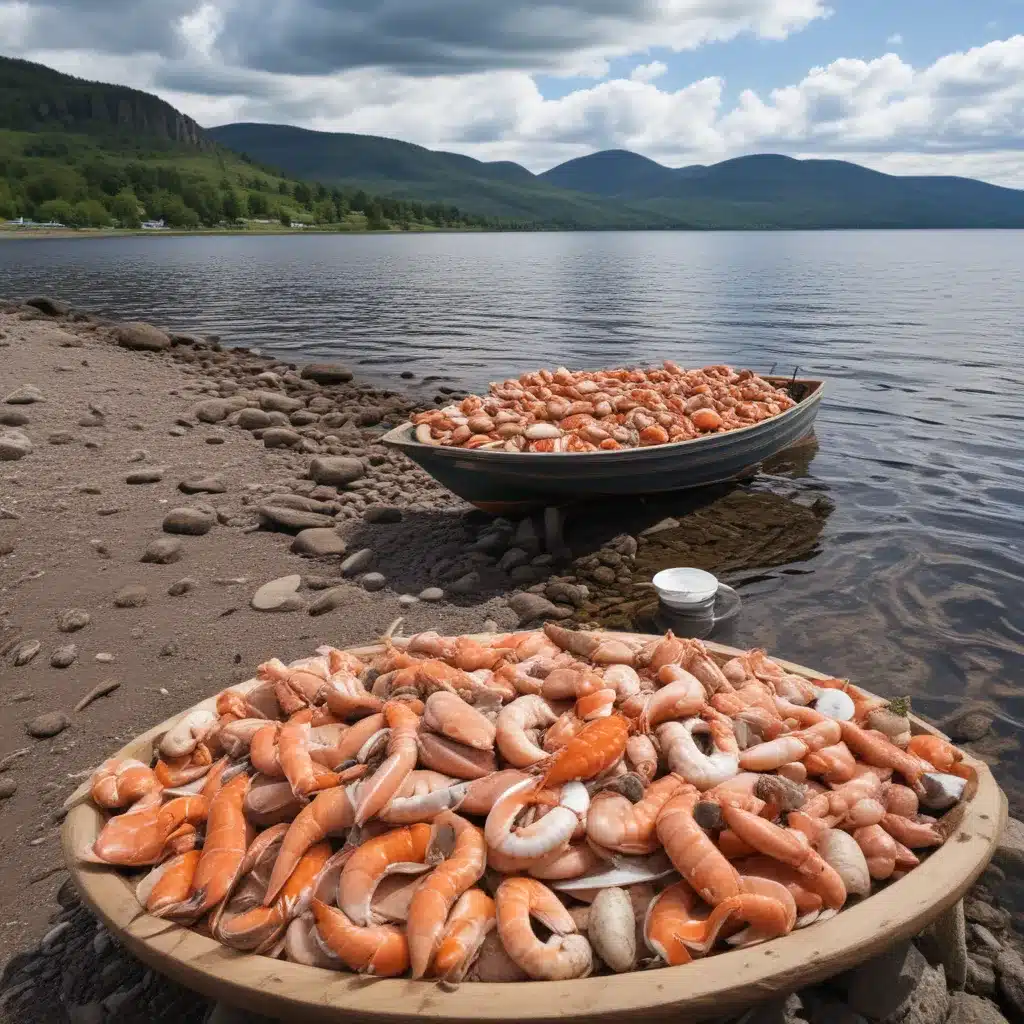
[604, 410]
[417, 811]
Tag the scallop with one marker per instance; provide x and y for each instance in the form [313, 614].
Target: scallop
[841, 852]
[611, 927]
[835, 704]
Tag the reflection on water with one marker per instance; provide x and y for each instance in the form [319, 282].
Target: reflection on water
[893, 552]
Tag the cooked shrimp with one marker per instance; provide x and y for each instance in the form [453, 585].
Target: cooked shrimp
[790, 848]
[400, 850]
[464, 853]
[141, 835]
[472, 919]
[833, 764]
[330, 813]
[227, 838]
[168, 884]
[544, 836]
[940, 753]
[564, 956]
[378, 950]
[917, 833]
[794, 746]
[347, 698]
[877, 749]
[595, 749]
[698, 662]
[481, 794]
[422, 797]
[379, 788]
[879, 849]
[263, 751]
[685, 758]
[183, 737]
[451, 716]
[682, 696]
[441, 754]
[596, 647]
[118, 783]
[293, 755]
[616, 824]
[692, 852]
[642, 756]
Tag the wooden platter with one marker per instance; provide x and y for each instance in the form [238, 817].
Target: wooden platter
[706, 989]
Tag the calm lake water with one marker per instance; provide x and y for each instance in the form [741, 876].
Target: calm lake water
[912, 579]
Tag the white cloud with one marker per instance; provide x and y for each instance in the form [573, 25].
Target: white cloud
[896, 39]
[963, 114]
[648, 72]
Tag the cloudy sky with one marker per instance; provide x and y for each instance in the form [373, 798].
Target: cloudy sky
[907, 86]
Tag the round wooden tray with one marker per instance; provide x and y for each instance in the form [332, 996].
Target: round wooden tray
[717, 986]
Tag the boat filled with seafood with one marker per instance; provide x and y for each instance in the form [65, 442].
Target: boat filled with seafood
[556, 436]
[420, 810]
[604, 410]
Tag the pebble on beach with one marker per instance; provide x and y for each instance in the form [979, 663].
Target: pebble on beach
[48, 724]
[72, 619]
[26, 651]
[163, 551]
[189, 521]
[131, 596]
[279, 595]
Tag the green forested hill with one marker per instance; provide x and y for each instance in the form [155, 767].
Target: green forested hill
[92, 155]
[616, 188]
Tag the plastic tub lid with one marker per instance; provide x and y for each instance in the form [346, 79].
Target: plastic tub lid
[691, 586]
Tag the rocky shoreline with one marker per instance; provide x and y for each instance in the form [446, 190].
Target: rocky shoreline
[173, 512]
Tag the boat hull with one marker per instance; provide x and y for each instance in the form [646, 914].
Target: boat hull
[499, 481]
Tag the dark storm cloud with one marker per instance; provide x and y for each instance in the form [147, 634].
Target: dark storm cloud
[108, 26]
[423, 36]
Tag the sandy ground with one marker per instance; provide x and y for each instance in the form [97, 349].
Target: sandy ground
[65, 548]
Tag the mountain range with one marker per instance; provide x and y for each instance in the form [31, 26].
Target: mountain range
[49, 118]
[617, 188]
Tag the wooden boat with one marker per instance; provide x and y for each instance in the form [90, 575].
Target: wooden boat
[502, 482]
[706, 989]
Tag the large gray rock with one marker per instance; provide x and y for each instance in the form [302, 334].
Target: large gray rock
[357, 562]
[929, 1002]
[193, 522]
[280, 517]
[533, 606]
[280, 437]
[14, 445]
[27, 394]
[968, 725]
[468, 584]
[70, 620]
[1010, 975]
[373, 581]
[882, 988]
[49, 306]
[163, 551]
[512, 559]
[26, 651]
[131, 596]
[1010, 852]
[327, 373]
[336, 470]
[278, 595]
[213, 410]
[210, 484]
[142, 337]
[254, 419]
[274, 401]
[944, 943]
[319, 543]
[49, 724]
[327, 601]
[967, 1009]
[566, 593]
[981, 977]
